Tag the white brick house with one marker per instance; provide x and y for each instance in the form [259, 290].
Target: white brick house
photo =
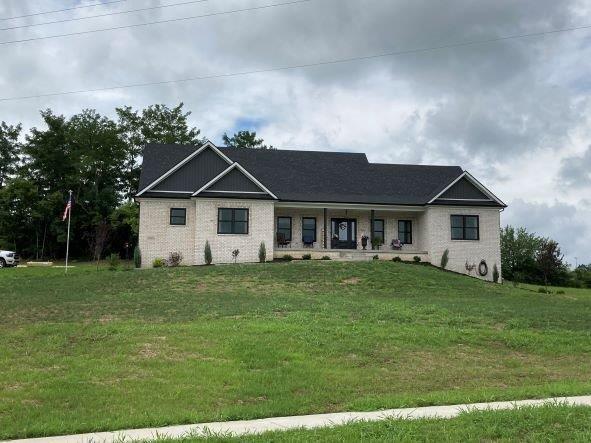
[318, 203]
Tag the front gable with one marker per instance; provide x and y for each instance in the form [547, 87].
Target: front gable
[194, 174]
[235, 181]
[464, 189]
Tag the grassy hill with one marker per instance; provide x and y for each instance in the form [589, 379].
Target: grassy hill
[107, 350]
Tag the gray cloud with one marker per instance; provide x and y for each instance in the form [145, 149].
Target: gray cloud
[495, 109]
[576, 171]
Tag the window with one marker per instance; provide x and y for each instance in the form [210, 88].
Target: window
[178, 216]
[232, 221]
[465, 227]
[308, 229]
[378, 230]
[405, 231]
[284, 227]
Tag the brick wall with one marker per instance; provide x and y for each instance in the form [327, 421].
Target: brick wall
[438, 227]
[261, 229]
[158, 238]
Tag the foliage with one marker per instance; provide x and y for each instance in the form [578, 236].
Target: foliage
[307, 257]
[174, 259]
[114, 262]
[549, 261]
[416, 259]
[518, 254]
[137, 257]
[397, 259]
[158, 263]
[325, 257]
[376, 257]
[235, 253]
[9, 151]
[262, 253]
[207, 253]
[245, 139]
[445, 259]
[94, 156]
[495, 273]
[376, 242]
[287, 257]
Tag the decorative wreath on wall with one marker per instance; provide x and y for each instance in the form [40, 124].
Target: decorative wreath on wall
[483, 268]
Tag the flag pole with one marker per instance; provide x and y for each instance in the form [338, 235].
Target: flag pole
[68, 238]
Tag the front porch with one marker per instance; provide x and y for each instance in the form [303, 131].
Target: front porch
[349, 254]
[346, 231]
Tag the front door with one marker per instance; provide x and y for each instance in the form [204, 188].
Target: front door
[344, 233]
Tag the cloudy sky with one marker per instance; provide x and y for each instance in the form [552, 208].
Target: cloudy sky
[516, 113]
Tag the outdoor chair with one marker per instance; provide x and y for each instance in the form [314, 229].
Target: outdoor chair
[396, 244]
[282, 242]
[308, 241]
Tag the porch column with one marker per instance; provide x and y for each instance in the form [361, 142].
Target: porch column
[325, 229]
[372, 215]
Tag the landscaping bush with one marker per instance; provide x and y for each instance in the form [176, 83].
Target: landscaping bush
[262, 253]
[444, 259]
[235, 253]
[544, 291]
[560, 291]
[397, 259]
[287, 257]
[207, 253]
[114, 262]
[307, 257]
[325, 257]
[158, 263]
[174, 259]
[416, 259]
[137, 257]
[495, 274]
[376, 257]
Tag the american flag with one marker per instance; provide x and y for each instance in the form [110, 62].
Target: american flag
[68, 208]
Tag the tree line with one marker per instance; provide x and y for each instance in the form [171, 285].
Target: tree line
[530, 258]
[96, 157]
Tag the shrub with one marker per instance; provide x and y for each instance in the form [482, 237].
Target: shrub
[307, 257]
[416, 259]
[262, 253]
[376, 257]
[174, 259]
[325, 257]
[445, 259]
[376, 243]
[137, 257]
[207, 253]
[495, 274]
[560, 291]
[235, 253]
[287, 257]
[158, 263]
[397, 259]
[113, 262]
[544, 291]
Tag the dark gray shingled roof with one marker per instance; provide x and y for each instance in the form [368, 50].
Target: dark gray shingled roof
[313, 176]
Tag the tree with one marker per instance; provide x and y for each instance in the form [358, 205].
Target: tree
[9, 150]
[154, 124]
[518, 254]
[549, 259]
[245, 139]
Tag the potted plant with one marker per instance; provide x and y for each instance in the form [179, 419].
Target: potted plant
[364, 239]
[375, 243]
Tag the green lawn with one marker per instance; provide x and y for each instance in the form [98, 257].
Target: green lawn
[108, 350]
[551, 423]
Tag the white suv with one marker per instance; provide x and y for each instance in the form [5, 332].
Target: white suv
[9, 258]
